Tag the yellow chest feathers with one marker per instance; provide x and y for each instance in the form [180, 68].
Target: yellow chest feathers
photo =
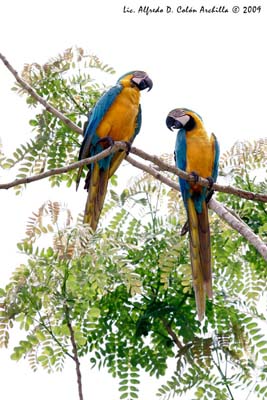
[120, 120]
[199, 153]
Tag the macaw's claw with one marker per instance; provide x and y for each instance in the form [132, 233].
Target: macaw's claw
[211, 182]
[128, 145]
[195, 176]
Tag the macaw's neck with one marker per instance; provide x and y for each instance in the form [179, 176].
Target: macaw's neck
[131, 94]
[126, 81]
[197, 128]
[197, 133]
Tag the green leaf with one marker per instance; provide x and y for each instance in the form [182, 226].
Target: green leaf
[42, 359]
[40, 335]
[15, 356]
[49, 252]
[262, 343]
[123, 388]
[94, 312]
[124, 396]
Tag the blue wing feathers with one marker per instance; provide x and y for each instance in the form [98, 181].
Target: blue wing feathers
[180, 157]
[138, 122]
[216, 159]
[95, 117]
[180, 149]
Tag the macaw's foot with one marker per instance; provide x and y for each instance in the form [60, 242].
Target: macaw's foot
[174, 156]
[195, 176]
[210, 191]
[106, 142]
[185, 228]
[128, 145]
[211, 182]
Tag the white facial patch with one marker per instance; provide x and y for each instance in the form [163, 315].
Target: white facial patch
[138, 80]
[184, 119]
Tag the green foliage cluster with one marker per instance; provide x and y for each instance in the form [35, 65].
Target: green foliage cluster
[67, 82]
[245, 163]
[126, 291]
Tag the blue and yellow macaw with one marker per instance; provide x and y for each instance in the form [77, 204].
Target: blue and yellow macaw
[197, 154]
[115, 117]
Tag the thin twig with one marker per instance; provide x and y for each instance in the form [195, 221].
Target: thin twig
[224, 377]
[71, 331]
[75, 355]
[172, 333]
[150, 170]
[36, 96]
[50, 331]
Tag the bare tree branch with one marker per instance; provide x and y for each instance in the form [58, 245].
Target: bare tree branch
[57, 171]
[75, 354]
[36, 96]
[156, 160]
[217, 207]
[172, 333]
[150, 170]
[239, 226]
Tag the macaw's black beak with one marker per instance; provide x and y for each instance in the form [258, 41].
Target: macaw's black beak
[142, 82]
[173, 123]
[146, 83]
